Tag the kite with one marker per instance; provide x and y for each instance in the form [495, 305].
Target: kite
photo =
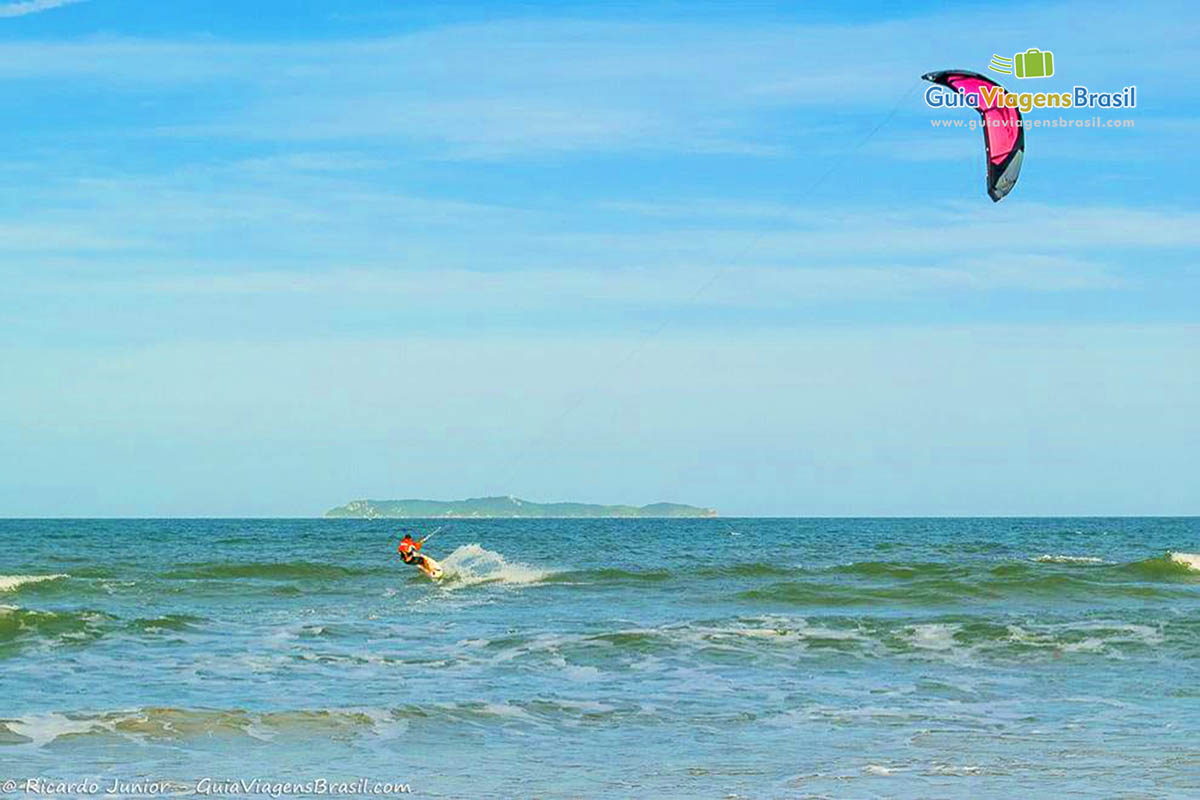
[1003, 133]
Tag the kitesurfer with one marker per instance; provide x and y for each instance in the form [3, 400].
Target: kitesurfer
[408, 550]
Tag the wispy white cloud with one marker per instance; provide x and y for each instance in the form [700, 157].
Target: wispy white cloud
[63, 236]
[516, 87]
[32, 7]
[273, 219]
[313, 212]
[556, 289]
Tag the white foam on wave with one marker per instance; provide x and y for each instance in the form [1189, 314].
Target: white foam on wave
[472, 564]
[1096, 636]
[1189, 560]
[881, 769]
[148, 724]
[932, 635]
[774, 629]
[41, 729]
[10, 583]
[1053, 559]
[954, 769]
[386, 725]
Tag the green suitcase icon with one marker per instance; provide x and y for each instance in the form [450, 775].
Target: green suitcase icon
[1034, 63]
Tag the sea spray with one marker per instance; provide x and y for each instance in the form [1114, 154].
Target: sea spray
[472, 564]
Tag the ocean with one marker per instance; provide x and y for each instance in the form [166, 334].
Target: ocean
[718, 658]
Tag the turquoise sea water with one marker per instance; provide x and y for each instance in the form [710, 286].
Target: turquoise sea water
[982, 658]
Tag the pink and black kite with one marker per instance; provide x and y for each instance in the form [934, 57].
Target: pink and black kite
[1003, 134]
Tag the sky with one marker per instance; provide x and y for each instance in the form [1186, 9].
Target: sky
[259, 260]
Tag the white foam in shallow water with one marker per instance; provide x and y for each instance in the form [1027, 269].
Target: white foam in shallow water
[1189, 560]
[471, 564]
[10, 583]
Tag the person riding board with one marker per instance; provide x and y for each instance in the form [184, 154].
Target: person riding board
[428, 564]
[408, 550]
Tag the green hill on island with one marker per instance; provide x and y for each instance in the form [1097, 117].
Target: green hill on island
[506, 507]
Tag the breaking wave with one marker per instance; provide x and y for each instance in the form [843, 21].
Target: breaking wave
[180, 725]
[1050, 577]
[12, 583]
[1189, 560]
[1172, 567]
[54, 626]
[24, 626]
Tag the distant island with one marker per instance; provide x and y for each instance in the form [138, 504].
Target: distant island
[505, 507]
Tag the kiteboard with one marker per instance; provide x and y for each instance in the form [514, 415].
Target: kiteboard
[431, 568]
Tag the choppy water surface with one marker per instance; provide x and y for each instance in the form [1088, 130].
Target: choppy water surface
[688, 658]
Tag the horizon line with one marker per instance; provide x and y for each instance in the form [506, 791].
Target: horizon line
[478, 519]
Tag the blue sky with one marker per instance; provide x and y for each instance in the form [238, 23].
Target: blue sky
[260, 262]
